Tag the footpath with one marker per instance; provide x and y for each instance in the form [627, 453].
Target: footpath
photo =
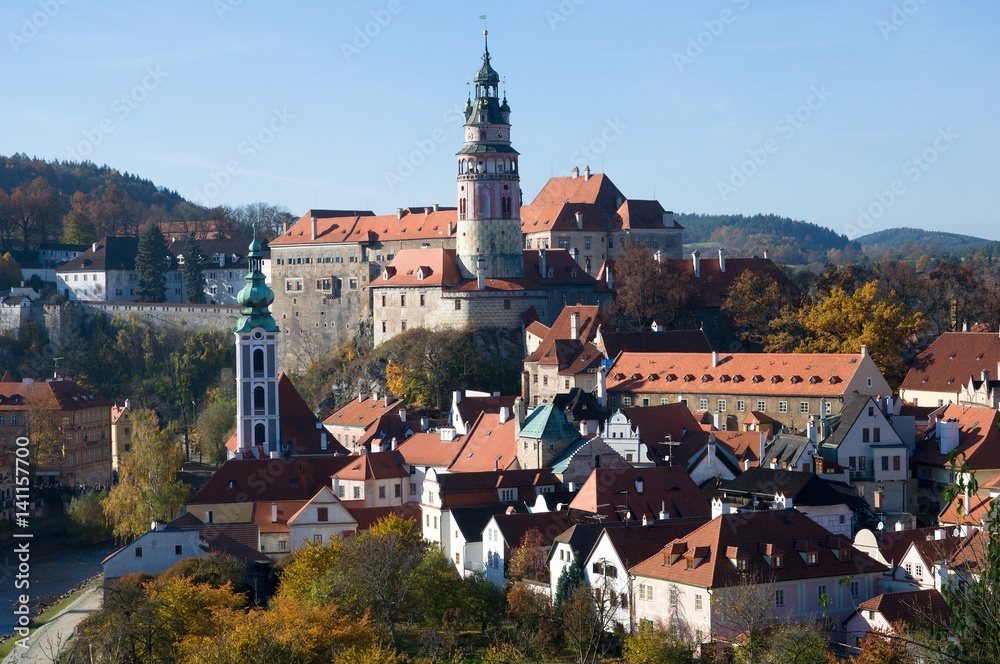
[45, 643]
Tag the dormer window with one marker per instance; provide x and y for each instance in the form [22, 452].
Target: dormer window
[777, 561]
[811, 558]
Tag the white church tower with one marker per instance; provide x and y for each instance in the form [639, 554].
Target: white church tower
[489, 185]
[256, 364]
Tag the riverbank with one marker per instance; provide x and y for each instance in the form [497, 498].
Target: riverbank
[52, 612]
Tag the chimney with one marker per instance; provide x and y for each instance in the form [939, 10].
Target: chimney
[986, 376]
[720, 507]
[376, 446]
[668, 219]
[447, 434]
[312, 227]
[402, 414]
[504, 414]
[722, 259]
[542, 270]
[399, 213]
[451, 228]
[284, 226]
[939, 534]
[765, 254]
[385, 400]
[519, 415]
[696, 260]
[435, 207]
[427, 212]
[715, 358]
[611, 286]
[274, 512]
[658, 257]
[864, 350]
[425, 423]
[947, 431]
[583, 428]
[602, 387]
[579, 220]
[811, 430]
[128, 404]
[576, 172]
[664, 515]
[481, 272]
[361, 397]
[94, 247]
[638, 485]
[574, 325]
[586, 172]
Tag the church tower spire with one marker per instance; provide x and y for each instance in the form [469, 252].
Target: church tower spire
[257, 427]
[489, 191]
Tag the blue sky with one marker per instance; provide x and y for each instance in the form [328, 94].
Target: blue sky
[858, 115]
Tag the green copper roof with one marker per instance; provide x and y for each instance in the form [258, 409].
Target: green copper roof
[486, 73]
[255, 297]
[547, 422]
[487, 148]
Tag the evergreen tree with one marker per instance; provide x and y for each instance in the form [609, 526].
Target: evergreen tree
[571, 577]
[151, 264]
[194, 278]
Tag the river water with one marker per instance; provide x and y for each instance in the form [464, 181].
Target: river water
[56, 566]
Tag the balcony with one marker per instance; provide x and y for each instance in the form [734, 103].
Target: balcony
[862, 475]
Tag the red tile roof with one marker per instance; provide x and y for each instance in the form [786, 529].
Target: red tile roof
[894, 544]
[252, 480]
[978, 438]
[972, 514]
[642, 215]
[432, 266]
[482, 488]
[951, 360]
[262, 512]
[571, 355]
[58, 394]
[710, 289]
[751, 535]
[340, 226]
[469, 408]
[368, 516]
[596, 190]
[373, 466]
[798, 374]
[610, 492]
[635, 543]
[427, 449]
[487, 440]
[361, 412]
[549, 525]
[912, 608]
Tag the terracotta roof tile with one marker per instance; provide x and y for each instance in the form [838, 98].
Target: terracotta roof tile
[787, 530]
[913, 608]
[631, 370]
[361, 412]
[427, 449]
[373, 466]
[978, 438]
[611, 492]
[951, 360]
[487, 439]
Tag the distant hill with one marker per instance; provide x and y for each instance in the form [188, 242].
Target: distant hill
[86, 177]
[786, 240]
[932, 241]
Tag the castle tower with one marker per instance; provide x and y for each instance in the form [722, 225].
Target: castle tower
[256, 363]
[489, 186]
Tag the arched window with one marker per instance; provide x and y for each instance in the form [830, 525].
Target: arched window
[258, 362]
[258, 434]
[258, 398]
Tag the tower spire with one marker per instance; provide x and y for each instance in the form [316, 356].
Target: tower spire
[489, 193]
